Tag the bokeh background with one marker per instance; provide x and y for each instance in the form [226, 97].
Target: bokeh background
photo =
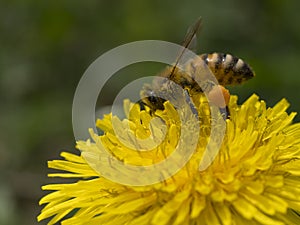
[45, 47]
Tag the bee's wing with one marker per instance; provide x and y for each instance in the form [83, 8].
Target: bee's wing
[189, 41]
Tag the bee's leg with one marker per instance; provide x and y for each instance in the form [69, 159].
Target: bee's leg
[143, 107]
[149, 99]
[189, 101]
[228, 113]
[220, 100]
[141, 104]
[225, 112]
[154, 103]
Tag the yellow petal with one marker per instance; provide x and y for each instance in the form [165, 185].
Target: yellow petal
[246, 209]
[223, 213]
[198, 204]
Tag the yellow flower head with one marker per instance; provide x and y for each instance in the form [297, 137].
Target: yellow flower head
[253, 179]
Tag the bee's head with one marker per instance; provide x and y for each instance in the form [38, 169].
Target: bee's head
[150, 99]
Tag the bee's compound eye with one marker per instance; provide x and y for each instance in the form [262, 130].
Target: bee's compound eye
[219, 100]
[153, 99]
[155, 102]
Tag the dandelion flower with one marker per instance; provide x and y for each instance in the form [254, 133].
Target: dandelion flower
[254, 179]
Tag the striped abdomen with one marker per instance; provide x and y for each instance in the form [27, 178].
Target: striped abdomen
[228, 69]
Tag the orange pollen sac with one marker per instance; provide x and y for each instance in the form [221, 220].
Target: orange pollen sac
[219, 96]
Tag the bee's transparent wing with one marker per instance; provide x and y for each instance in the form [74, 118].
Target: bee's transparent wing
[190, 39]
[189, 42]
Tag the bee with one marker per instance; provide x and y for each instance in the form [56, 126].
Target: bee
[227, 69]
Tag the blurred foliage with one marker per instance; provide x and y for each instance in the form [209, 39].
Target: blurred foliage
[47, 45]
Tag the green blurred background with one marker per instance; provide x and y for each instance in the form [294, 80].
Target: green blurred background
[45, 47]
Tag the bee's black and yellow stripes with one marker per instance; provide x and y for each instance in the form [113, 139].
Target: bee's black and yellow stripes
[228, 69]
